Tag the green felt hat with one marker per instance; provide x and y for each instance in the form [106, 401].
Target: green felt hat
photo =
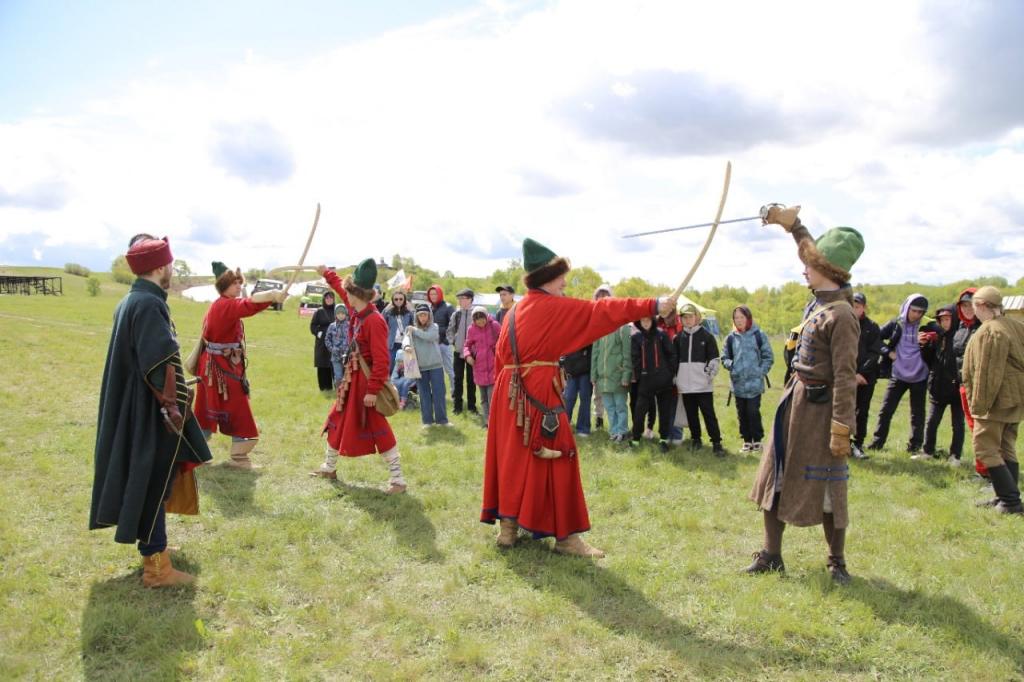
[365, 275]
[219, 269]
[841, 246]
[536, 255]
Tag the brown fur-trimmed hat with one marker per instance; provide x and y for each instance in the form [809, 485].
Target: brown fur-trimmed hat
[833, 253]
[541, 264]
[226, 277]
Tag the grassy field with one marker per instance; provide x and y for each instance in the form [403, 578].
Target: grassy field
[302, 579]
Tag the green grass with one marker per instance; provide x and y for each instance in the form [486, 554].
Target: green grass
[302, 579]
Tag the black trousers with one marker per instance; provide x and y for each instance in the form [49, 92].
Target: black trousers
[325, 378]
[634, 391]
[748, 412]
[891, 400]
[463, 369]
[864, 395]
[704, 404]
[664, 402]
[935, 414]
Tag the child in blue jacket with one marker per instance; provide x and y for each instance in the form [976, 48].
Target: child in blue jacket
[748, 357]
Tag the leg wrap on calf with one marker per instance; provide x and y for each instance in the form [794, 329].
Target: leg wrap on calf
[392, 459]
[330, 459]
[240, 450]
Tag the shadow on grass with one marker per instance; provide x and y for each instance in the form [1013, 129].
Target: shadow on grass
[932, 473]
[404, 513]
[231, 489]
[131, 632]
[618, 606]
[447, 434]
[940, 613]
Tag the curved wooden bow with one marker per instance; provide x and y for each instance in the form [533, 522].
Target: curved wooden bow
[711, 235]
[298, 268]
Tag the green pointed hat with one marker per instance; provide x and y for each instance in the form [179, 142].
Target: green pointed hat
[365, 275]
[536, 255]
[219, 269]
[841, 246]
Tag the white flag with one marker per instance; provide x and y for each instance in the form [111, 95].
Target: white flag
[397, 280]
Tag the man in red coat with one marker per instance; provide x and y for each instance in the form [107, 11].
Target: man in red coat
[354, 428]
[222, 401]
[531, 470]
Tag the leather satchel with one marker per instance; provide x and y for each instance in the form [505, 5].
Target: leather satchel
[387, 398]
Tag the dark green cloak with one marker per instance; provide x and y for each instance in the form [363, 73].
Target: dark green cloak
[135, 454]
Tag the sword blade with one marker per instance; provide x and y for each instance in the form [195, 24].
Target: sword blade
[690, 227]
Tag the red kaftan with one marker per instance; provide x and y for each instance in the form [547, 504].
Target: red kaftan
[230, 413]
[359, 430]
[544, 495]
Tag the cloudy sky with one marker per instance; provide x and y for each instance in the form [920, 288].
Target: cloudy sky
[448, 130]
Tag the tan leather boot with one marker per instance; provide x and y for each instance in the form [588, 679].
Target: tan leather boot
[574, 545]
[157, 571]
[508, 532]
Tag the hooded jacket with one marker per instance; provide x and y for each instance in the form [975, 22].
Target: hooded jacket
[900, 336]
[944, 380]
[442, 312]
[611, 362]
[748, 356]
[481, 344]
[965, 330]
[697, 353]
[318, 324]
[654, 359]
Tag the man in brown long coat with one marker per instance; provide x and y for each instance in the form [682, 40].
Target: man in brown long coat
[803, 472]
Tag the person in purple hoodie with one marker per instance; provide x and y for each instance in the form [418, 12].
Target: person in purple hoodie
[902, 337]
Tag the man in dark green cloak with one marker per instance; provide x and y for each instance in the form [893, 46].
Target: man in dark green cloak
[147, 440]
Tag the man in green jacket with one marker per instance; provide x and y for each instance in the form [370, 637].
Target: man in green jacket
[147, 440]
[993, 375]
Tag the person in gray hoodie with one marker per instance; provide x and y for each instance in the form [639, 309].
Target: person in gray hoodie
[909, 372]
[697, 353]
[424, 333]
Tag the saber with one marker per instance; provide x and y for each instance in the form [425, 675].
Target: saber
[691, 227]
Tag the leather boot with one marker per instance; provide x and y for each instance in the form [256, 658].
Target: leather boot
[1014, 468]
[1006, 490]
[574, 545]
[240, 454]
[837, 569]
[508, 532]
[157, 571]
[766, 563]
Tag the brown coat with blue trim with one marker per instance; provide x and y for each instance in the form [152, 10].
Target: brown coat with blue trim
[827, 354]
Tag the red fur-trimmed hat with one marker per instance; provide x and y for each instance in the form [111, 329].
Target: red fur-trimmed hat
[147, 255]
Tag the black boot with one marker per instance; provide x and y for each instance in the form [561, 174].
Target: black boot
[1014, 468]
[718, 449]
[1006, 490]
[837, 569]
[766, 563]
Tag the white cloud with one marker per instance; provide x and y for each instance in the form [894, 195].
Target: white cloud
[420, 137]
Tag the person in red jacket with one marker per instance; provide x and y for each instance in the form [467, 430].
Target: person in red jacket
[531, 468]
[353, 427]
[222, 398]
